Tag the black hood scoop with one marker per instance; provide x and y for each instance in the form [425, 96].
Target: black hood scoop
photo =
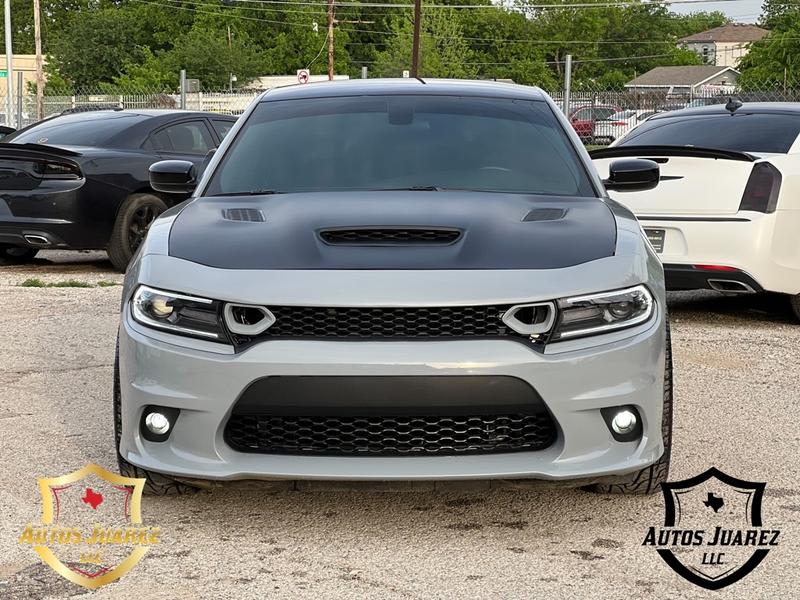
[393, 230]
[389, 236]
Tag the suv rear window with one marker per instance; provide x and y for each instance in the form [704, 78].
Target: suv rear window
[397, 142]
[742, 132]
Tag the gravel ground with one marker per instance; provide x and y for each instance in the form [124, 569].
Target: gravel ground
[737, 393]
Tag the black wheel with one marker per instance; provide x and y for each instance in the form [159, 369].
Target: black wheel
[157, 484]
[795, 303]
[16, 255]
[134, 219]
[649, 479]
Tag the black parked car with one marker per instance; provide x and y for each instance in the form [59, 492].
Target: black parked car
[80, 181]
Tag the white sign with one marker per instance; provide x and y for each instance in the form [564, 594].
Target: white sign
[406, 74]
[303, 75]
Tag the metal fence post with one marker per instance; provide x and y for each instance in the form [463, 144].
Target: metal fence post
[567, 83]
[9, 65]
[20, 123]
[183, 89]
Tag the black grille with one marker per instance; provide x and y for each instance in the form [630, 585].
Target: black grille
[371, 237]
[390, 435]
[374, 322]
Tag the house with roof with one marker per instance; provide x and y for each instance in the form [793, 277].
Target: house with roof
[723, 46]
[687, 80]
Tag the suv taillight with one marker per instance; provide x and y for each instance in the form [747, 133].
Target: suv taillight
[761, 191]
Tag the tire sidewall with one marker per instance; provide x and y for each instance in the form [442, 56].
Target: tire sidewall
[119, 248]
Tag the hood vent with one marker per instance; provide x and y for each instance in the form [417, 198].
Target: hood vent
[390, 236]
[545, 214]
[249, 215]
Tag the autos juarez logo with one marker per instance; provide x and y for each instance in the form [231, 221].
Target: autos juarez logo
[712, 535]
[91, 529]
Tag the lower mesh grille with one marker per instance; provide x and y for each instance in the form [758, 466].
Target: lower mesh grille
[390, 435]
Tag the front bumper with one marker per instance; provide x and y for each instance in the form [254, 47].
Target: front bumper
[574, 383]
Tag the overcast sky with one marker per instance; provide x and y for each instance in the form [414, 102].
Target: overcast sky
[740, 11]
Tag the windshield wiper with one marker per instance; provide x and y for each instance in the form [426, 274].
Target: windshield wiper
[263, 192]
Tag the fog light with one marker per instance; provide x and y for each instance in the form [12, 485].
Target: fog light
[624, 422]
[159, 424]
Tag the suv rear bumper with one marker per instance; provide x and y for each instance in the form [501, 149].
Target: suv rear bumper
[760, 250]
[690, 277]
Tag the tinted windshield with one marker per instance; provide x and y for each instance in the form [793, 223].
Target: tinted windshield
[741, 132]
[76, 130]
[378, 142]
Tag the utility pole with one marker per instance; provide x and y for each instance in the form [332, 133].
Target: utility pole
[9, 66]
[231, 76]
[331, 22]
[37, 34]
[415, 42]
[567, 83]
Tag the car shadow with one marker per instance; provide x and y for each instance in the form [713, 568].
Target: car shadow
[543, 514]
[67, 261]
[708, 307]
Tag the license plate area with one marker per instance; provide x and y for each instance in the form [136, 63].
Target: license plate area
[656, 239]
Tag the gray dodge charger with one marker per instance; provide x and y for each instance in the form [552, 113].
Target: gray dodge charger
[396, 280]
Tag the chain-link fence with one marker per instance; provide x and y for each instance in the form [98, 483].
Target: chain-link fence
[599, 116]
[24, 109]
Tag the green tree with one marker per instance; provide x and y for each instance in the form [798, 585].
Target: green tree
[774, 61]
[96, 46]
[443, 50]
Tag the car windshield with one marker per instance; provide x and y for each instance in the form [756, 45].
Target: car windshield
[81, 129]
[742, 132]
[402, 142]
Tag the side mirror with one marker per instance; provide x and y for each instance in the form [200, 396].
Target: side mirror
[173, 176]
[632, 175]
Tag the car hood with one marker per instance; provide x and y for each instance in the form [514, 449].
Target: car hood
[393, 230]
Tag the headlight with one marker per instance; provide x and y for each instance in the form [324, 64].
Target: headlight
[600, 313]
[177, 313]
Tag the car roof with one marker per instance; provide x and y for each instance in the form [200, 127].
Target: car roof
[403, 86]
[746, 108]
[116, 113]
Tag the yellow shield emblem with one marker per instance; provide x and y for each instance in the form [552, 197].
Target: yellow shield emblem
[91, 530]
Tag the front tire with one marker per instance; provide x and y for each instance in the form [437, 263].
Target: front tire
[649, 479]
[794, 301]
[16, 255]
[157, 484]
[135, 216]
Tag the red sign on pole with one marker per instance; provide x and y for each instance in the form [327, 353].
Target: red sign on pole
[303, 75]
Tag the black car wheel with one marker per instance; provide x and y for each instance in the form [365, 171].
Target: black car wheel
[157, 484]
[795, 302]
[134, 219]
[649, 479]
[16, 255]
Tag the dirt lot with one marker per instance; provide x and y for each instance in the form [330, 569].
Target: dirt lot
[737, 392]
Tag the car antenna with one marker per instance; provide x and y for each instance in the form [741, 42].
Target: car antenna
[733, 105]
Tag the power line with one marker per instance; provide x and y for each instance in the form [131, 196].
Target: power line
[551, 62]
[566, 5]
[403, 33]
